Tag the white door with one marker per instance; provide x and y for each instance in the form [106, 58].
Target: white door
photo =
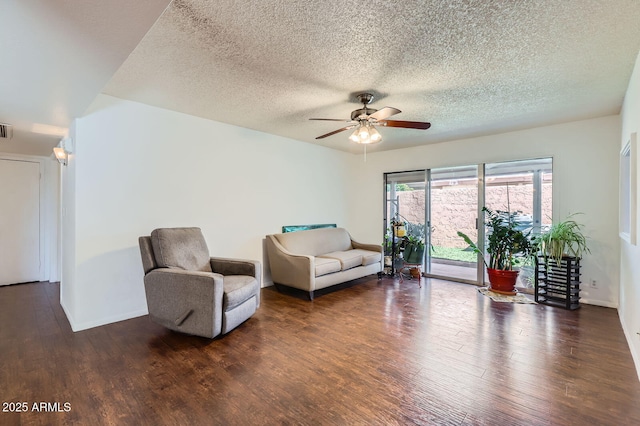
[19, 221]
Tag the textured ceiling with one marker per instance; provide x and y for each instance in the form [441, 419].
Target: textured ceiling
[469, 67]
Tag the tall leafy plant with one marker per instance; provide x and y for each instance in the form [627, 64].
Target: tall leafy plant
[505, 243]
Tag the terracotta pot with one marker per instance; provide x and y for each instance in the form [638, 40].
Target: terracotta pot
[415, 272]
[503, 282]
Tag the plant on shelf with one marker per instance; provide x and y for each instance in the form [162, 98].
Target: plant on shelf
[559, 250]
[388, 248]
[414, 250]
[506, 246]
[562, 239]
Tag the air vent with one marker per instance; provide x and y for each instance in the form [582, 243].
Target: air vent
[6, 131]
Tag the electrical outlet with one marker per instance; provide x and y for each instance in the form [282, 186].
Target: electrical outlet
[594, 284]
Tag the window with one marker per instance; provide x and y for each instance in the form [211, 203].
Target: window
[628, 191]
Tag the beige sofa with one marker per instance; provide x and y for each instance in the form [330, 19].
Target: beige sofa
[319, 258]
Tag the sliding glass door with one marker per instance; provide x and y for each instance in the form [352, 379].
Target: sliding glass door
[525, 188]
[405, 203]
[452, 207]
[434, 204]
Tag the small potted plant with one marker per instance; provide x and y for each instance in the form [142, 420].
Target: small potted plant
[414, 254]
[560, 240]
[388, 249]
[507, 245]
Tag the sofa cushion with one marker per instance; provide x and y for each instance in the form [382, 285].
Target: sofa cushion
[315, 241]
[348, 258]
[326, 266]
[181, 248]
[238, 289]
[369, 257]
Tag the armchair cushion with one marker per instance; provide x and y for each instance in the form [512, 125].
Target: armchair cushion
[238, 289]
[181, 248]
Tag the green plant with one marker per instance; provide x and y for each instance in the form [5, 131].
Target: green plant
[506, 243]
[388, 244]
[415, 241]
[560, 239]
[416, 230]
[413, 249]
[403, 187]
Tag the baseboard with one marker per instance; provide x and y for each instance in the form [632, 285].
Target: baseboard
[76, 326]
[603, 303]
[630, 336]
[67, 314]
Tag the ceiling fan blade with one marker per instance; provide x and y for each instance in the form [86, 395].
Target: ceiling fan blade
[385, 112]
[331, 119]
[337, 131]
[406, 124]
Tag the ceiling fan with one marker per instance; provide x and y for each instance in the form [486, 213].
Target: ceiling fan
[365, 119]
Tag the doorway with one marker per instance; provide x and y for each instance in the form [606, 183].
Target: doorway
[19, 221]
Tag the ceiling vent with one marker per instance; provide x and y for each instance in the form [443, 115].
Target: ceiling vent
[6, 131]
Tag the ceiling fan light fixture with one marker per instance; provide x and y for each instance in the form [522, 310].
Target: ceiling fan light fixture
[354, 136]
[374, 135]
[363, 133]
[365, 119]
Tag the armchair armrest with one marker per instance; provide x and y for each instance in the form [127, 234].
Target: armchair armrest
[185, 300]
[293, 270]
[226, 266]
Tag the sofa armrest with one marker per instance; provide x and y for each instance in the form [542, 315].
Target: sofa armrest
[186, 301]
[291, 269]
[370, 247]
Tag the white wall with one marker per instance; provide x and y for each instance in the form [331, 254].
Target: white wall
[136, 168]
[68, 294]
[630, 254]
[585, 179]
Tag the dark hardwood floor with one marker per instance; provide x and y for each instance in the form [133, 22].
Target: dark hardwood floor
[374, 353]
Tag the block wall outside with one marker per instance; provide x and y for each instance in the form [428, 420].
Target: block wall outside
[454, 208]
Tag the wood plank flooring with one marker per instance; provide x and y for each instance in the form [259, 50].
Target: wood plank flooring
[373, 353]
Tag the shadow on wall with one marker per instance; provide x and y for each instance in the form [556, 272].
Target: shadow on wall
[109, 288]
[266, 269]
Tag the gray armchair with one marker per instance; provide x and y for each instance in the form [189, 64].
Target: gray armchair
[190, 292]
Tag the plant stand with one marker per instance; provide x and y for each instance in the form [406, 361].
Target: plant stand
[558, 284]
[409, 266]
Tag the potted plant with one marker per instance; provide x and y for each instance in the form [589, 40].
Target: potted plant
[414, 254]
[561, 239]
[388, 249]
[559, 250]
[507, 245]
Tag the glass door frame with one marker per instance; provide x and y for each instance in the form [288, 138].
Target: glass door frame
[480, 243]
[389, 202]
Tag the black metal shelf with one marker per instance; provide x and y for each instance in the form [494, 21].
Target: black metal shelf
[558, 284]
